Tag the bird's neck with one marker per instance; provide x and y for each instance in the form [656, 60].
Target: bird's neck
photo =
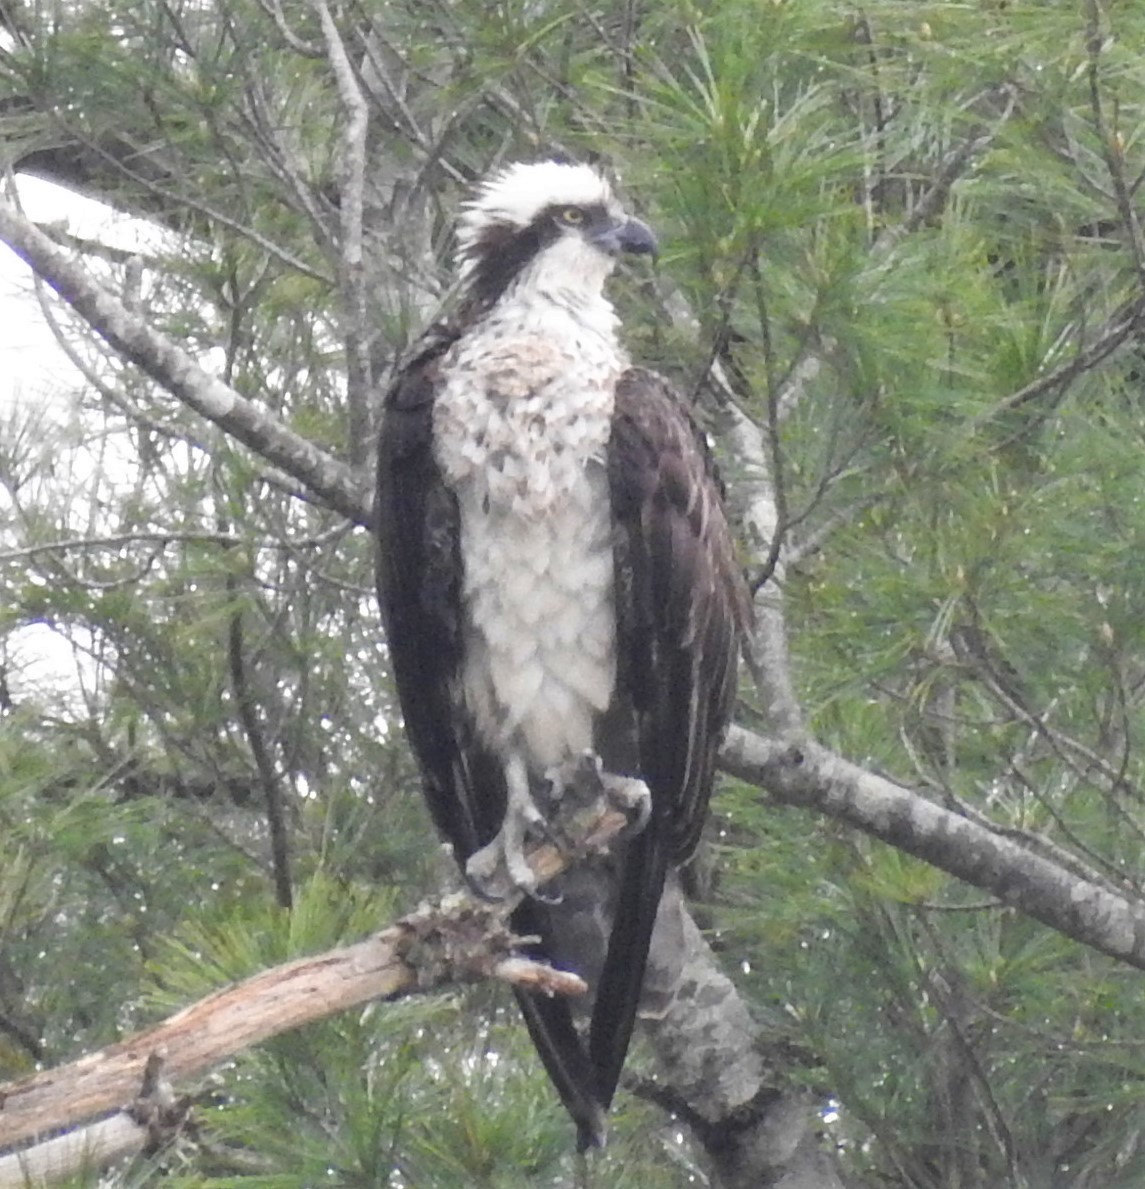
[560, 311]
[561, 292]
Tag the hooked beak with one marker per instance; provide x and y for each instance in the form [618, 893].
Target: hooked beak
[630, 236]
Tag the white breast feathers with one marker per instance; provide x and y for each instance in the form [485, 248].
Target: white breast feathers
[521, 430]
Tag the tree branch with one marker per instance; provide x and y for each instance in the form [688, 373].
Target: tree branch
[1112, 142]
[332, 482]
[459, 940]
[955, 165]
[273, 794]
[812, 777]
[1125, 323]
[351, 205]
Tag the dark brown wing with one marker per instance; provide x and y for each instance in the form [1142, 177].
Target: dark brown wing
[419, 589]
[682, 607]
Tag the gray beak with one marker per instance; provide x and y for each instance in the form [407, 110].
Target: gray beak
[629, 236]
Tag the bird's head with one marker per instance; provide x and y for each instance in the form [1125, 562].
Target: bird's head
[554, 225]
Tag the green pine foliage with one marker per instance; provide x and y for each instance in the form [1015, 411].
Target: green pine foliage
[920, 197]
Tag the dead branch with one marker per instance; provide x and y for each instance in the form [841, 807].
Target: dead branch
[457, 940]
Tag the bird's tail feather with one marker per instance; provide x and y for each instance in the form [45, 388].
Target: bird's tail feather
[621, 980]
[586, 1076]
[561, 1048]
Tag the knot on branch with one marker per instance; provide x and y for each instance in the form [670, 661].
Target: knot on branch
[458, 939]
[156, 1109]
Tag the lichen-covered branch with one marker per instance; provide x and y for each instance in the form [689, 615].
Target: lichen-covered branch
[813, 777]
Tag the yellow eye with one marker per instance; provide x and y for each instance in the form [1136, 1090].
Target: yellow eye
[572, 215]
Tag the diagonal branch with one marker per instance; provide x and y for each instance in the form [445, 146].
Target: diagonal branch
[330, 481]
[812, 777]
[459, 940]
[1121, 327]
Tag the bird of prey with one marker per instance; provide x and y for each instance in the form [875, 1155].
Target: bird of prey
[557, 580]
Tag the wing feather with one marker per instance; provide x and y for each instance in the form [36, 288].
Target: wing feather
[419, 590]
[682, 607]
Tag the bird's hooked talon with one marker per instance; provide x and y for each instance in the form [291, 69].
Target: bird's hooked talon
[495, 875]
[499, 869]
[630, 796]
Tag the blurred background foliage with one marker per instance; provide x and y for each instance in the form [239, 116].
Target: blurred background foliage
[908, 235]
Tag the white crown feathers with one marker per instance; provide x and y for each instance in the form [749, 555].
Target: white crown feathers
[518, 193]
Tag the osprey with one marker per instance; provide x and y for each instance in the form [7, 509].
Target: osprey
[557, 580]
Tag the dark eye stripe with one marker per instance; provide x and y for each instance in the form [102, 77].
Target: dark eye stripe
[501, 250]
[560, 213]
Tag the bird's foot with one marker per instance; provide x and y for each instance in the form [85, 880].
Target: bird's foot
[581, 783]
[560, 812]
[499, 868]
[630, 795]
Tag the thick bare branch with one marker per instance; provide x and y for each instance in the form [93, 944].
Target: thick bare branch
[89, 1147]
[716, 1075]
[459, 940]
[810, 776]
[705, 1035]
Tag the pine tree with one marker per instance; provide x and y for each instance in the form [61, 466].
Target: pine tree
[903, 278]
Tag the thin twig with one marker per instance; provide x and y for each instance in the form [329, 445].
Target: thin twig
[351, 270]
[1111, 143]
[1120, 327]
[274, 797]
[300, 46]
[952, 168]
